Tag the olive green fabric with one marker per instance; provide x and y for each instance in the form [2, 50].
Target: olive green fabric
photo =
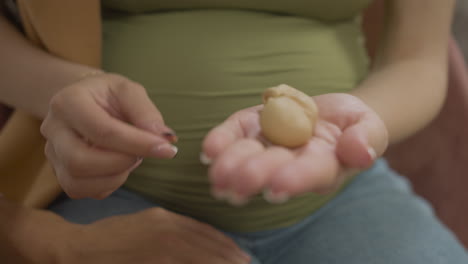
[200, 65]
[329, 10]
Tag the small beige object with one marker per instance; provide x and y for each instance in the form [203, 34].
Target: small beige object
[288, 117]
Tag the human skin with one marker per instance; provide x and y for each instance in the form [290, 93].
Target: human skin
[403, 92]
[397, 99]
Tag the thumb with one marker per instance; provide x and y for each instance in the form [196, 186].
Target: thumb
[362, 141]
[353, 149]
[137, 108]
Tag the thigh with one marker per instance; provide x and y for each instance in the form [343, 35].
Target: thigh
[85, 211]
[377, 219]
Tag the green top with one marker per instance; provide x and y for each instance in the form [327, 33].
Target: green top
[203, 60]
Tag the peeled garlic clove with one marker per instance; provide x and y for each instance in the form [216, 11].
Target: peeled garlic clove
[288, 117]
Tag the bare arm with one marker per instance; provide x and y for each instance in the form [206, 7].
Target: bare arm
[407, 85]
[29, 76]
[37, 236]
[28, 235]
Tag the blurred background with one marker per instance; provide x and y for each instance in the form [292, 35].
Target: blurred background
[460, 26]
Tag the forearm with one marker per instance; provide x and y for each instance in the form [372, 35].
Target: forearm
[28, 235]
[407, 95]
[29, 77]
[408, 82]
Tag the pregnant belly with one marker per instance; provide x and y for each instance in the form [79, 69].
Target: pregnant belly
[201, 66]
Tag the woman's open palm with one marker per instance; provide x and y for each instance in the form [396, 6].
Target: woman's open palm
[348, 136]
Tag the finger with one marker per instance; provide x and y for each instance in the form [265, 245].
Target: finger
[138, 109]
[111, 190]
[83, 160]
[77, 188]
[105, 131]
[226, 166]
[202, 234]
[362, 142]
[211, 239]
[50, 154]
[201, 250]
[97, 188]
[314, 170]
[240, 125]
[255, 172]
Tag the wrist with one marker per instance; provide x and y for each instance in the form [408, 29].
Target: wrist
[69, 77]
[33, 236]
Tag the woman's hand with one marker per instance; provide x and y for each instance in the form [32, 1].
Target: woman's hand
[349, 136]
[151, 236]
[98, 130]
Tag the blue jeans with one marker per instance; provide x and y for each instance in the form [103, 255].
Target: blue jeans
[376, 219]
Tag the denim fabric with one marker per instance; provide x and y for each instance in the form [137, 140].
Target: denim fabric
[376, 219]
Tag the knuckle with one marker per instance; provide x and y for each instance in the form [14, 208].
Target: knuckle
[56, 103]
[44, 129]
[158, 213]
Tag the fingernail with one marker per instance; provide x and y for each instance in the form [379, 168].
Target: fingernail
[372, 153]
[159, 128]
[220, 194]
[204, 159]
[275, 197]
[237, 199]
[170, 136]
[137, 163]
[166, 151]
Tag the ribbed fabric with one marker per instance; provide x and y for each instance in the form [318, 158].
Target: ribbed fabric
[201, 65]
